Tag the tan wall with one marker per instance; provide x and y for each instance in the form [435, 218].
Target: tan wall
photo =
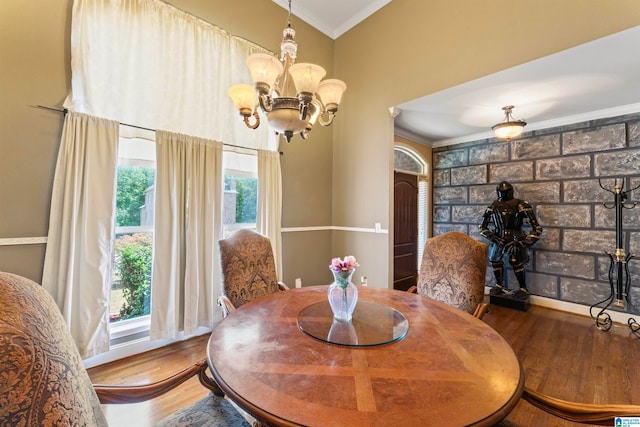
[34, 66]
[342, 175]
[34, 69]
[412, 48]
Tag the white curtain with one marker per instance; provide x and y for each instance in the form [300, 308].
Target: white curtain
[77, 266]
[269, 215]
[146, 63]
[187, 228]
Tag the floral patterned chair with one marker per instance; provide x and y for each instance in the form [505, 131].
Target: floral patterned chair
[43, 381]
[453, 271]
[248, 269]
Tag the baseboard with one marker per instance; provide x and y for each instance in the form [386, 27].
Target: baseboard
[376, 229]
[573, 308]
[583, 310]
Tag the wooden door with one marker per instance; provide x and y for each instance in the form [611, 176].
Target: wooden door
[405, 230]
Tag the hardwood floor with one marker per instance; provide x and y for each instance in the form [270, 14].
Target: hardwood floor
[563, 355]
[567, 357]
[148, 367]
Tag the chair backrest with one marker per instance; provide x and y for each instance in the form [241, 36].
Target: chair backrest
[453, 270]
[248, 267]
[43, 381]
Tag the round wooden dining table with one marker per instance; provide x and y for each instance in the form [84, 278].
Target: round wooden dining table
[448, 368]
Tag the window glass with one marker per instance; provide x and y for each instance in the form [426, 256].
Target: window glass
[240, 190]
[133, 240]
[405, 160]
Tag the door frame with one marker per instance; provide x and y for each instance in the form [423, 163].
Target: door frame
[424, 180]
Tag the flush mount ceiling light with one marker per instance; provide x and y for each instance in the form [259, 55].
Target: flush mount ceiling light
[288, 112]
[510, 128]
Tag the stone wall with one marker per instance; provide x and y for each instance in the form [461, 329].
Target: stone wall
[557, 170]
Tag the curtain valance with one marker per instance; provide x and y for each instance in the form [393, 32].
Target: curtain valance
[147, 63]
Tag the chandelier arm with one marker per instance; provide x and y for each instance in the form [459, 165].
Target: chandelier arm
[326, 122]
[266, 102]
[255, 124]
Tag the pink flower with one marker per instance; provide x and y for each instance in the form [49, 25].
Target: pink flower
[349, 264]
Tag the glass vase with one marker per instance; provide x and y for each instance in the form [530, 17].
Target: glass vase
[343, 333]
[343, 295]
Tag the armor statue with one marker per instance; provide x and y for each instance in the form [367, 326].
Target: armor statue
[502, 225]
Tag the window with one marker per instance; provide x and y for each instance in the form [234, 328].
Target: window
[423, 215]
[129, 306]
[133, 241]
[408, 161]
[240, 189]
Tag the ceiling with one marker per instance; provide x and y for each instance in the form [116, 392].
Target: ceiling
[594, 80]
[332, 17]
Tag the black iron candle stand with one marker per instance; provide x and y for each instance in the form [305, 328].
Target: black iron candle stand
[619, 278]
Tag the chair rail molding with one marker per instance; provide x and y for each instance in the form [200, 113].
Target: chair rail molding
[335, 227]
[9, 241]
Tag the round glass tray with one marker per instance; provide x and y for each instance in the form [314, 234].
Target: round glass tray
[372, 324]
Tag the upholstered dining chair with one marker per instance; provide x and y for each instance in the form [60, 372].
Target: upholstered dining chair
[453, 271]
[43, 381]
[248, 269]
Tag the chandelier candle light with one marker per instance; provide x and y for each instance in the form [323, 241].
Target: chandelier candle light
[288, 113]
[343, 294]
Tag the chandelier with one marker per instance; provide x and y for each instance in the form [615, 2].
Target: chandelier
[288, 112]
[510, 128]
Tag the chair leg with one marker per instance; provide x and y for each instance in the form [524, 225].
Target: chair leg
[209, 382]
[481, 309]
